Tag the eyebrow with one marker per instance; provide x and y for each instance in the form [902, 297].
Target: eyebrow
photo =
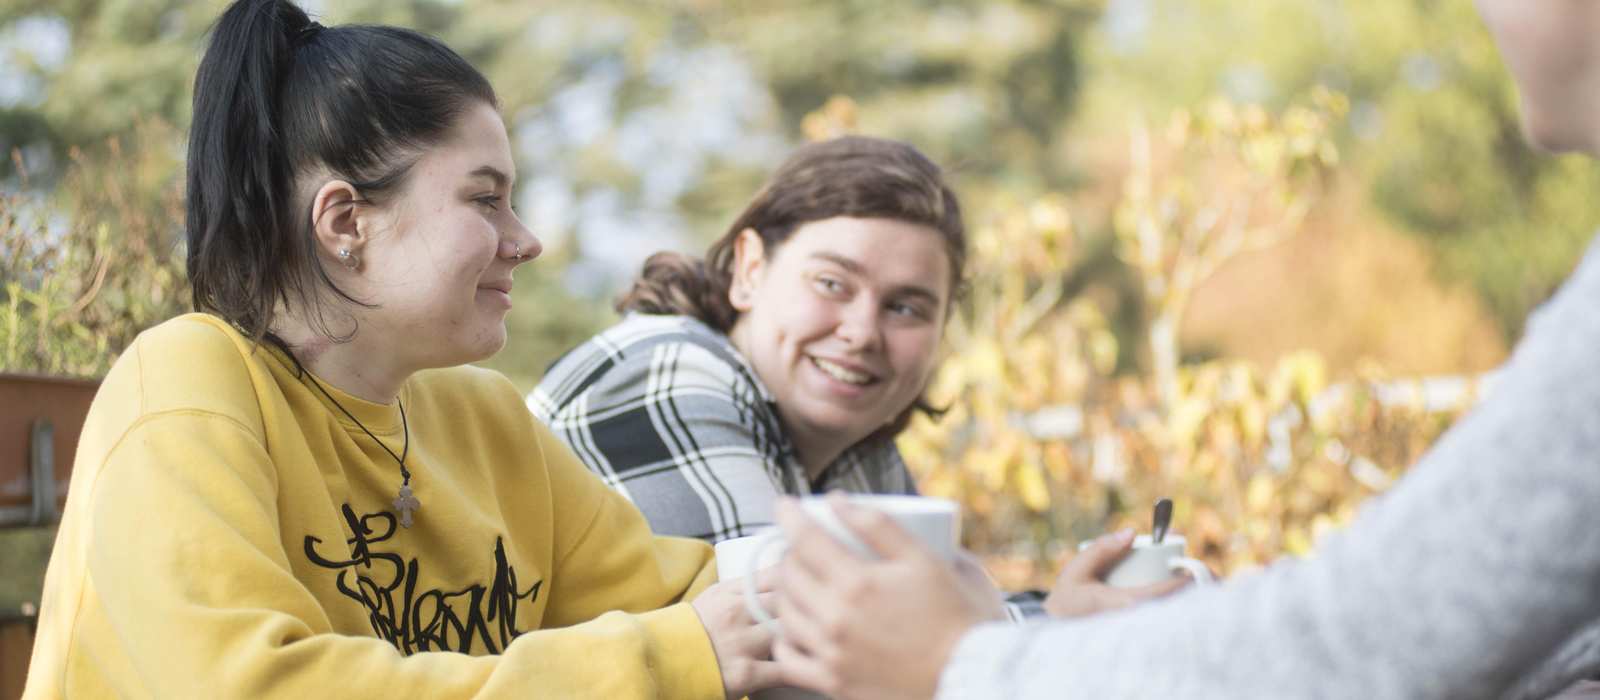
[856, 268]
[501, 180]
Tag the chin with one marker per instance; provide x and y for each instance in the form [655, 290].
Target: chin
[834, 420]
[485, 345]
[1555, 136]
[494, 346]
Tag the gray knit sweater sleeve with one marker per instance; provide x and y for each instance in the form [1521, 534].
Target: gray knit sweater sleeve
[1477, 576]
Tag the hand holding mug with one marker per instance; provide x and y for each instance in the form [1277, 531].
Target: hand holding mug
[739, 565]
[1150, 562]
[934, 522]
[1082, 589]
[742, 646]
[880, 625]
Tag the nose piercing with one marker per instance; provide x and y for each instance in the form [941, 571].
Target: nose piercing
[517, 253]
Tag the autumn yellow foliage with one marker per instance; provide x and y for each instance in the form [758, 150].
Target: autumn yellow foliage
[1050, 439]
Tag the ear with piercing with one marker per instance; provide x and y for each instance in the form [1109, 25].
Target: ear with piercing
[349, 259]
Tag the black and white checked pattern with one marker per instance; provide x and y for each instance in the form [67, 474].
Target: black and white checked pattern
[667, 412]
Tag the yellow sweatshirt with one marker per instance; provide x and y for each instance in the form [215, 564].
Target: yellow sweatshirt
[230, 533]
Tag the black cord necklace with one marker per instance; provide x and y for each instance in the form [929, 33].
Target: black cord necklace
[404, 501]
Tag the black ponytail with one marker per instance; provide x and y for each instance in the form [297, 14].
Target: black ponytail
[237, 176]
[278, 96]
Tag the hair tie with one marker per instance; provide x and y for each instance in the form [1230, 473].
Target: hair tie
[307, 32]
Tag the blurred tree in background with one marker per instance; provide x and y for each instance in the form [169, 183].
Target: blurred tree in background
[1047, 443]
[1433, 135]
[1341, 177]
[77, 285]
[638, 126]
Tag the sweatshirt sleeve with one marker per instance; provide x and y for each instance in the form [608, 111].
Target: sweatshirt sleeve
[199, 597]
[605, 555]
[1472, 578]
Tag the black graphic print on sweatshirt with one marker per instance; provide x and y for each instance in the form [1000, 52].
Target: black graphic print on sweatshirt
[478, 616]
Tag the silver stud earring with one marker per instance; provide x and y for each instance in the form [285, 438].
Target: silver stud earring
[349, 259]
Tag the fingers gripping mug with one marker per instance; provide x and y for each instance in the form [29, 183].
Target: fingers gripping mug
[936, 522]
[1149, 563]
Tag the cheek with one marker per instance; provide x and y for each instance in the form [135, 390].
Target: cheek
[795, 316]
[451, 272]
[473, 245]
[914, 352]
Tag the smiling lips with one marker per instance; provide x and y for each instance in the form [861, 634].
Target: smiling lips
[501, 291]
[842, 373]
[504, 286]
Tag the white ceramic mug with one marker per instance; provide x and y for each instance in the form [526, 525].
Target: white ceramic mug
[936, 522]
[736, 557]
[1150, 563]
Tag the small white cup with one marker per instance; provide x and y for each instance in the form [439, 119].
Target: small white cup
[1150, 563]
[936, 522]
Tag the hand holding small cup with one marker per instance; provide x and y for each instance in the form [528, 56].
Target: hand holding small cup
[1082, 589]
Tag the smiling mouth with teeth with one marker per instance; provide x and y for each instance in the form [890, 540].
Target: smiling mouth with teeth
[842, 374]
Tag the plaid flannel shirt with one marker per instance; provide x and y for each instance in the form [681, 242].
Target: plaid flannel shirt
[668, 412]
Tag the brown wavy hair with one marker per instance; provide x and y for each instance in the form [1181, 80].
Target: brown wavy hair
[855, 176]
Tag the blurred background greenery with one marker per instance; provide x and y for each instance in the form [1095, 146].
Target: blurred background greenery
[1254, 256]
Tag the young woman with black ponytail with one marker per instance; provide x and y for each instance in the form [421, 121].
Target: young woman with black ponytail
[299, 491]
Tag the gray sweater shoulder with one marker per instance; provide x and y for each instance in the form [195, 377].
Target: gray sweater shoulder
[1475, 576]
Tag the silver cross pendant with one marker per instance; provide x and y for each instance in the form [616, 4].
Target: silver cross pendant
[406, 503]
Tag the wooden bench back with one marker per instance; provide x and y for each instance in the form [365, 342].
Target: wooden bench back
[31, 407]
[40, 420]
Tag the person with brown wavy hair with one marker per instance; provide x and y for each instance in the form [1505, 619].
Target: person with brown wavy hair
[1475, 576]
[787, 360]
[813, 322]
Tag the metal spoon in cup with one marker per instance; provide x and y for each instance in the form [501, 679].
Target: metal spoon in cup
[1163, 518]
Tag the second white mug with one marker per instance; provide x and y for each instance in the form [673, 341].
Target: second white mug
[1149, 563]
